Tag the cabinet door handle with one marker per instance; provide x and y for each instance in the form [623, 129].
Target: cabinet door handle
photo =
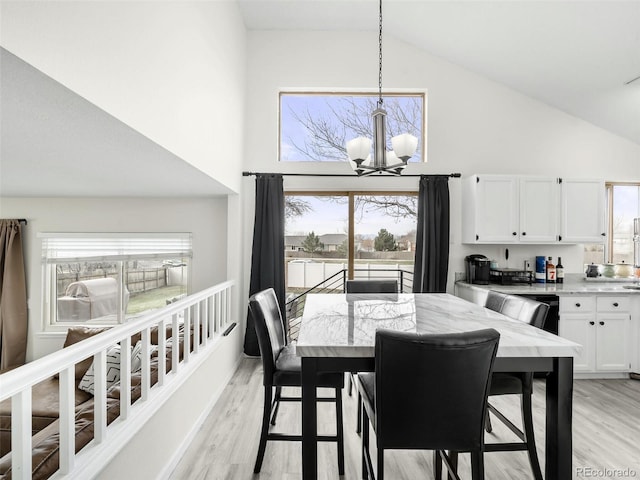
[514, 233]
[601, 323]
[592, 323]
[524, 233]
[578, 305]
[615, 304]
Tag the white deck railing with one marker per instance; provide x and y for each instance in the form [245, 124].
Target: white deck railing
[206, 314]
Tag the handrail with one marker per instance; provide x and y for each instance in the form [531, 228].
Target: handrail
[33, 372]
[342, 272]
[322, 287]
[203, 316]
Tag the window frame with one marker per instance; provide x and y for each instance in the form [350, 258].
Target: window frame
[350, 194]
[609, 186]
[422, 93]
[49, 296]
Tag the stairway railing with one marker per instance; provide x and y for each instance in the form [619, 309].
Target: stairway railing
[336, 284]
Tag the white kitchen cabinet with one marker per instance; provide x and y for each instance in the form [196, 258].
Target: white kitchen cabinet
[490, 209]
[602, 325]
[582, 211]
[507, 209]
[538, 209]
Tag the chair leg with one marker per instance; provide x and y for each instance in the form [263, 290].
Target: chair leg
[339, 431]
[527, 421]
[265, 428]
[487, 422]
[453, 459]
[437, 465]
[349, 382]
[359, 419]
[365, 444]
[380, 473]
[477, 465]
[277, 406]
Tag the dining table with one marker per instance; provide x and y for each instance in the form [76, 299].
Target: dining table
[337, 334]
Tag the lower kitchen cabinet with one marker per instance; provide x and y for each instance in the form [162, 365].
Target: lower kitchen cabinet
[602, 325]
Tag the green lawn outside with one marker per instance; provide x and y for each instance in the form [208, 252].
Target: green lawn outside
[152, 299]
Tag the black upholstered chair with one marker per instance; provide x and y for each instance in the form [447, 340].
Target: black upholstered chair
[366, 286]
[534, 313]
[282, 368]
[428, 392]
[371, 286]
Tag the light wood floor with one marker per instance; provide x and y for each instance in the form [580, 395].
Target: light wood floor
[606, 435]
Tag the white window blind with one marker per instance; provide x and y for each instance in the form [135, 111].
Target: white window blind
[69, 247]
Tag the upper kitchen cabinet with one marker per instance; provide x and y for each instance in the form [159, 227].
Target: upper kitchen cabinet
[490, 209]
[538, 209]
[501, 209]
[582, 211]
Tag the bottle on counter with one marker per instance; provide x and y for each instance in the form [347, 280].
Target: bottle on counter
[541, 274]
[551, 271]
[559, 271]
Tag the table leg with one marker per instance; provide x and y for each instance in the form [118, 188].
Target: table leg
[559, 448]
[309, 419]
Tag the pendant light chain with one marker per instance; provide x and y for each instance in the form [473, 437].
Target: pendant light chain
[380, 59]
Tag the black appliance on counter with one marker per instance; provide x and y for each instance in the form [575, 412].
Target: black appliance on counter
[478, 267]
[510, 276]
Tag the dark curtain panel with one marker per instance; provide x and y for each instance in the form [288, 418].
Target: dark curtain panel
[432, 240]
[267, 258]
[13, 296]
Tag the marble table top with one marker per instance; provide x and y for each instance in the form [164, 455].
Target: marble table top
[344, 325]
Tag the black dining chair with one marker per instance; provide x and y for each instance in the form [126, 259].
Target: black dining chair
[282, 368]
[366, 286]
[505, 383]
[428, 392]
[371, 286]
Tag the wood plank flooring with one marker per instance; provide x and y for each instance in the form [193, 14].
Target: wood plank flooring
[606, 436]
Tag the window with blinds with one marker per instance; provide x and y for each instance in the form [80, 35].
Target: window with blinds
[106, 279]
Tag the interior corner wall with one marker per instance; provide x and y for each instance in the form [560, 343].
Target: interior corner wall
[174, 71]
[203, 217]
[474, 125]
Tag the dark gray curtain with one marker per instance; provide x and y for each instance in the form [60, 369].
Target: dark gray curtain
[267, 258]
[13, 296]
[432, 239]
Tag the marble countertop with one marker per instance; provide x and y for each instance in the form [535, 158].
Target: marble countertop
[336, 325]
[574, 284]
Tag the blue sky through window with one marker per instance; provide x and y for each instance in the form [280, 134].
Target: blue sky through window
[316, 127]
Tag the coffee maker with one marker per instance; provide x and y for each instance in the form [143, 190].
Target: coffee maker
[477, 267]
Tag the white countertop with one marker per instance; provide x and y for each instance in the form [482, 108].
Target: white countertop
[339, 325]
[574, 284]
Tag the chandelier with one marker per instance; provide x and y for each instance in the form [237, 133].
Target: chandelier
[359, 149]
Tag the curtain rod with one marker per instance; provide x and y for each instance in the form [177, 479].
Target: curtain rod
[22, 220]
[248, 174]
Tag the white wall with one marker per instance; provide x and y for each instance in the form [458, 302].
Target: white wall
[174, 71]
[474, 125]
[206, 219]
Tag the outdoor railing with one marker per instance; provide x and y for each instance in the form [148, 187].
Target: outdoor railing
[294, 305]
[206, 315]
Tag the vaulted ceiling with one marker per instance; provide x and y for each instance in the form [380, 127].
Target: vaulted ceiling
[576, 55]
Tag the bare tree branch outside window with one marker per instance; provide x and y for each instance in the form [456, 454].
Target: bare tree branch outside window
[316, 127]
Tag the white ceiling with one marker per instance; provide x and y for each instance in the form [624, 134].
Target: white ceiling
[573, 55]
